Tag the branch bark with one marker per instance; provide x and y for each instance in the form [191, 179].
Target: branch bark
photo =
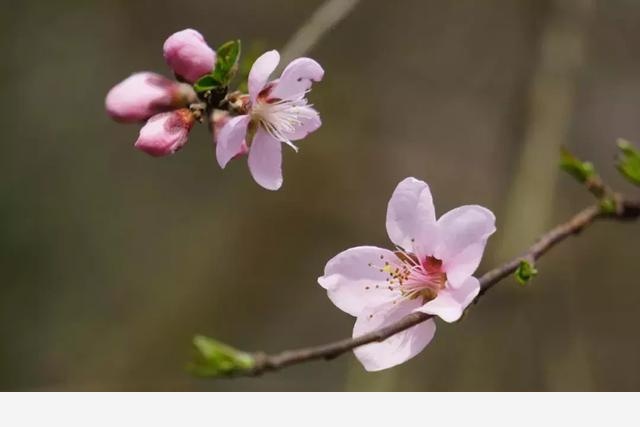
[626, 210]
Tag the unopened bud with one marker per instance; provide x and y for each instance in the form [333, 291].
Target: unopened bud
[189, 55]
[145, 94]
[165, 133]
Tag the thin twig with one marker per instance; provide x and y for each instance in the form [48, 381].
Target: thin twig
[627, 210]
[323, 19]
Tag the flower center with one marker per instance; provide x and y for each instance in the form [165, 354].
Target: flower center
[281, 118]
[413, 277]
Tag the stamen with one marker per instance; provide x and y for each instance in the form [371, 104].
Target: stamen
[412, 276]
[282, 117]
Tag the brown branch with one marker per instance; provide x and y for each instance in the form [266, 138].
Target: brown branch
[626, 210]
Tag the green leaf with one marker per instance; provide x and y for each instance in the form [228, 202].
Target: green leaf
[582, 171]
[629, 161]
[227, 56]
[216, 359]
[226, 66]
[205, 83]
[525, 272]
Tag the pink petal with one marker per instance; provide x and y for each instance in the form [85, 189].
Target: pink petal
[265, 160]
[165, 133]
[353, 279]
[309, 122]
[463, 233]
[297, 79]
[451, 302]
[411, 217]
[260, 72]
[463, 265]
[398, 348]
[231, 138]
[189, 55]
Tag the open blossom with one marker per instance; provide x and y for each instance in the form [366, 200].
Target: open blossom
[165, 133]
[277, 113]
[189, 55]
[144, 94]
[430, 271]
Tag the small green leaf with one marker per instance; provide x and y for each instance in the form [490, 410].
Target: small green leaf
[629, 161]
[525, 272]
[227, 56]
[582, 171]
[216, 359]
[226, 67]
[205, 83]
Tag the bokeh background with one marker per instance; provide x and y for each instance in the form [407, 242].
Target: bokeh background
[111, 260]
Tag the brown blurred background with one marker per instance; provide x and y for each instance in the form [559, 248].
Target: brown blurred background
[111, 260]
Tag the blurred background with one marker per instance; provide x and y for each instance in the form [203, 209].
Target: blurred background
[112, 260]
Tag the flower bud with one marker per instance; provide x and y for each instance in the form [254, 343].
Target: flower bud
[165, 133]
[144, 94]
[188, 55]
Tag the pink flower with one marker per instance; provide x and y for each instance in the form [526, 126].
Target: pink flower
[144, 94]
[278, 113]
[188, 55]
[429, 271]
[165, 133]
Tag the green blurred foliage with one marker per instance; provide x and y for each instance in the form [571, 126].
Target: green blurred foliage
[629, 161]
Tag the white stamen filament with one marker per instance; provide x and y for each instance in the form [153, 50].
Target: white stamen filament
[283, 117]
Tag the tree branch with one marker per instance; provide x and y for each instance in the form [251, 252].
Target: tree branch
[323, 19]
[626, 210]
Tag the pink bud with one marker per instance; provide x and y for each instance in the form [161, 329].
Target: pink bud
[165, 133]
[188, 55]
[144, 94]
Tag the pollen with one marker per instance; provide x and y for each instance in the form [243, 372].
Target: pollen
[414, 277]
